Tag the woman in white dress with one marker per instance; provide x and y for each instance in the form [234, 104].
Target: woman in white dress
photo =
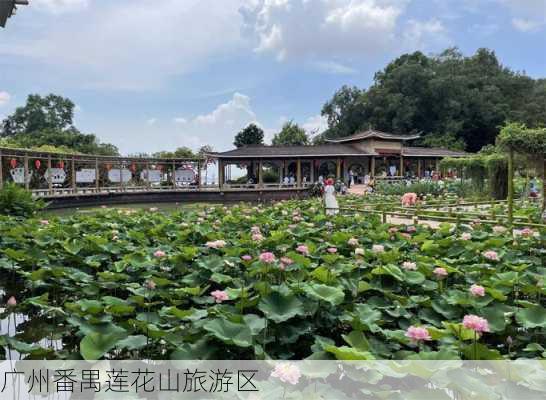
[330, 202]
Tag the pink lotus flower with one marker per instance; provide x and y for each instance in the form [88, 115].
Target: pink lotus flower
[477, 290]
[159, 254]
[477, 324]
[491, 255]
[154, 209]
[440, 272]
[499, 229]
[267, 257]
[287, 373]
[411, 229]
[378, 248]
[393, 230]
[287, 261]
[12, 302]
[297, 218]
[255, 229]
[353, 242]
[150, 284]
[303, 249]
[332, 250]
[527, 232]
[44, 222]
[466, 236]
[409, 266]
[417, 334]
[406, 236]
[409, 199]
[246, 257]
[220, 296]
[257, 237]
[216, 244]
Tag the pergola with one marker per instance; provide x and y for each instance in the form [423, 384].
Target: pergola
[7, 9]
[371, 152]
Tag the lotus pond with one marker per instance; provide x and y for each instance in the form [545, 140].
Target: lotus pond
[258, 282]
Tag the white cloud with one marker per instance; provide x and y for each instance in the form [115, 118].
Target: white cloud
[526, 25]
[60, 6]
[291, 29]
[129, 44]
[5, 98]
[423, 34]
[335, 68]
[316, 124]
[151, 121]
[180, 120]
[228, 114]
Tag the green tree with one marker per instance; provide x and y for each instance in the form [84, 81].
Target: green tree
[345, 112]
[180, 152]
[49, 121]
[251, 135]
[291, 134]
[51, 112]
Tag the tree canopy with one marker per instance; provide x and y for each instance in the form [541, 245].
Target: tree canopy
[452, 100]
[49, 121]
[251, 135]
[291, 134]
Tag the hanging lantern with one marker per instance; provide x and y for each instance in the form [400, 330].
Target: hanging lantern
[13, 163]
[37, 164]
[61, 164]
[133, 168]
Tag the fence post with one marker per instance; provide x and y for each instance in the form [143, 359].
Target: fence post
[27, 180]
[1, 171]
[73, 167]
[49, 175]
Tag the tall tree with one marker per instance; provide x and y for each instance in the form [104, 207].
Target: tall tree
[250, 135]
[52, 112]
[291, 134]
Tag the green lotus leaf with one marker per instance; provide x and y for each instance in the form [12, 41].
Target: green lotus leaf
[229, 332]
[279, 308]
[331, 294]
[532, 317]
[95, 345]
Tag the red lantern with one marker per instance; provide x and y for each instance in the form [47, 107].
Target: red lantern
[37, 164]
[159, 167]
[61, 164]
[13, 163]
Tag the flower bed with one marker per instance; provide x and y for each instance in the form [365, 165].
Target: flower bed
[281, 282]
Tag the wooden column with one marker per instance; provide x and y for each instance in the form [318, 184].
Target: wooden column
[401, 165]
[26, 180]
[298, 173]
[437, 167]
[260, 174]
[338, 169]
[73, 168]
[1, 171]
[97, 174]
[419, 168]
[373, 167]
[173, 177]
[49, 176]
[120, 166]
[220, 173]
[198, 174]
[148, 183]
[312, 171]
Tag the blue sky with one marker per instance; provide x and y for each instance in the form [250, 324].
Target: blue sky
[149, 75]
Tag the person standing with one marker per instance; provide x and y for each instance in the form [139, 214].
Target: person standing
[351, 178]
[330, 201]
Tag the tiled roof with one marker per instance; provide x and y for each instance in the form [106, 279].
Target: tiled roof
[370, 133]
[431, 152]
[335, 150]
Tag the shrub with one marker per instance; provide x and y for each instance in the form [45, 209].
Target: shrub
[16, 201]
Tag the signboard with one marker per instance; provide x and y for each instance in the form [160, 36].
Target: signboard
[85, 175]
[58, 175]
[18, 175]
[184, 176]
[119, 175]
[150, 175]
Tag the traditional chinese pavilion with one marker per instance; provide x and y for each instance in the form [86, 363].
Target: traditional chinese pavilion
[370, 152]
